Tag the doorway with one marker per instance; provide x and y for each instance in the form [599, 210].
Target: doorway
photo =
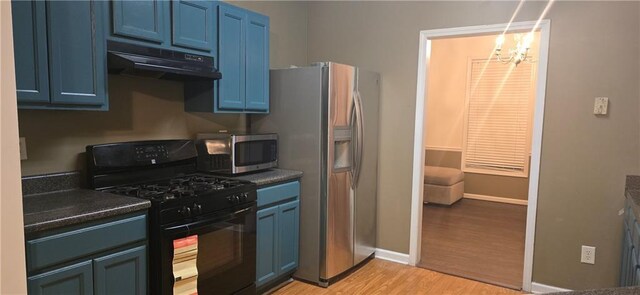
[426, 64]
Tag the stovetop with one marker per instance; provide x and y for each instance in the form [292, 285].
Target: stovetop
[188, 186]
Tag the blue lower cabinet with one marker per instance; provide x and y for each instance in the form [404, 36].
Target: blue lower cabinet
[102, 257]
[123, 272]
[278, 228]
[267, 245]
[288, 228]
[627, 247]
[74, 279]
[630, 264]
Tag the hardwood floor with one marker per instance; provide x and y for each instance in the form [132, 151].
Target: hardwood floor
[475, 239]
[384, 277]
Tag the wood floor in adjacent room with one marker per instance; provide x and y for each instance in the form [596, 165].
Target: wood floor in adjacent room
[384, 277]
[475, 239]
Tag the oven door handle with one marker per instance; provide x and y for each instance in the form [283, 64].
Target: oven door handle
[205, 222]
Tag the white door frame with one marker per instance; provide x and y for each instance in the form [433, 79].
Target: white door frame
[536, 144]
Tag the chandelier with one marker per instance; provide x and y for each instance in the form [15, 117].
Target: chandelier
[518, 54]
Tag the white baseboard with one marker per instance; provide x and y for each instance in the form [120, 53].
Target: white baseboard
[392, 256]
[537, 288]
[495, 199]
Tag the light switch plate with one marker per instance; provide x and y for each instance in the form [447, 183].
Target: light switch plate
[23, 148]
[600, 106]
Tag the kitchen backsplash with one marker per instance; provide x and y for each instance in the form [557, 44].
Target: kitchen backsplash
[140, 109]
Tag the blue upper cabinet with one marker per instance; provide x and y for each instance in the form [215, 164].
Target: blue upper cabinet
[232, 27]
[77, 53]
[60, 54]
[181, 25]
[243, 60]
[194, 24]
[140, 20]
[30, 41]
[257, 62]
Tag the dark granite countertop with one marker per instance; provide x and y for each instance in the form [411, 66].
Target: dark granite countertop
[271, 176]
[65, 204]
[608, 291]
[63, 208]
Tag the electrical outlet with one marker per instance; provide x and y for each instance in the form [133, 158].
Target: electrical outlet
[588, 255]
[600, 106]
[23, 148]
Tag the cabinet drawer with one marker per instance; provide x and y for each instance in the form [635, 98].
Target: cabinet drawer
[57, 248]
[277, 193]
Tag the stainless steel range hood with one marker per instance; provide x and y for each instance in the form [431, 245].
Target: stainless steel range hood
[138, 60]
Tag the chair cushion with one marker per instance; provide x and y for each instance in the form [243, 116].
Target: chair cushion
[442, 175]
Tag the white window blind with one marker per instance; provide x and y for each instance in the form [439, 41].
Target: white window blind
[498, 113]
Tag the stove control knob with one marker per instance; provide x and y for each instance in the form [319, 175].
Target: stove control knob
[243, 197]
[185, 211]
[236, 199]
[197, 209]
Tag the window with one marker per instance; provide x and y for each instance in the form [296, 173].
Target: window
[497, 120]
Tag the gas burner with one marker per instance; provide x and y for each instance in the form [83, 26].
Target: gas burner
[176, 188]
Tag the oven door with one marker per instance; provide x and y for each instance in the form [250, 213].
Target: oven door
[226, 254]
[254, 152]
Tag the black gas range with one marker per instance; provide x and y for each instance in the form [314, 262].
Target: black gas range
[202, 227]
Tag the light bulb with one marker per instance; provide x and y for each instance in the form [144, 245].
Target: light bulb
[499, 41]
[528, 39]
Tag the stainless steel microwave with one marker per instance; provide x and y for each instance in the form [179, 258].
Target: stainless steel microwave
[233, 153]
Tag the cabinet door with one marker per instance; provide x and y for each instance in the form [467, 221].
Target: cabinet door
[121, 273]
[257, 59]
[194, 24]
[30, 41]
[267, 245]
[288, 228]
[77, 52]
[70, 280]
[626, 259]
[142, 20]
[231, 57]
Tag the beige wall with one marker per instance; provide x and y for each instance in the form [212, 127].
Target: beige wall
[13, 274]
[447, 85]
[584, 158]
[288, 36]
[142, 108]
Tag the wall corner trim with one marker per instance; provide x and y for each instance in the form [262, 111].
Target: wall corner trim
[537, 288]
[392, 256]
[496, 199]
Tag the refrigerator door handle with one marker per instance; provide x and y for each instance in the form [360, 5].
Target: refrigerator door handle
[359, 137]
[354, 143]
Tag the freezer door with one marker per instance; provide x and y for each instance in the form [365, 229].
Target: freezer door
[367, 180]
[339, 206]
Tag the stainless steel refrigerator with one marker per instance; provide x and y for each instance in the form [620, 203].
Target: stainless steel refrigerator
[326, 117]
